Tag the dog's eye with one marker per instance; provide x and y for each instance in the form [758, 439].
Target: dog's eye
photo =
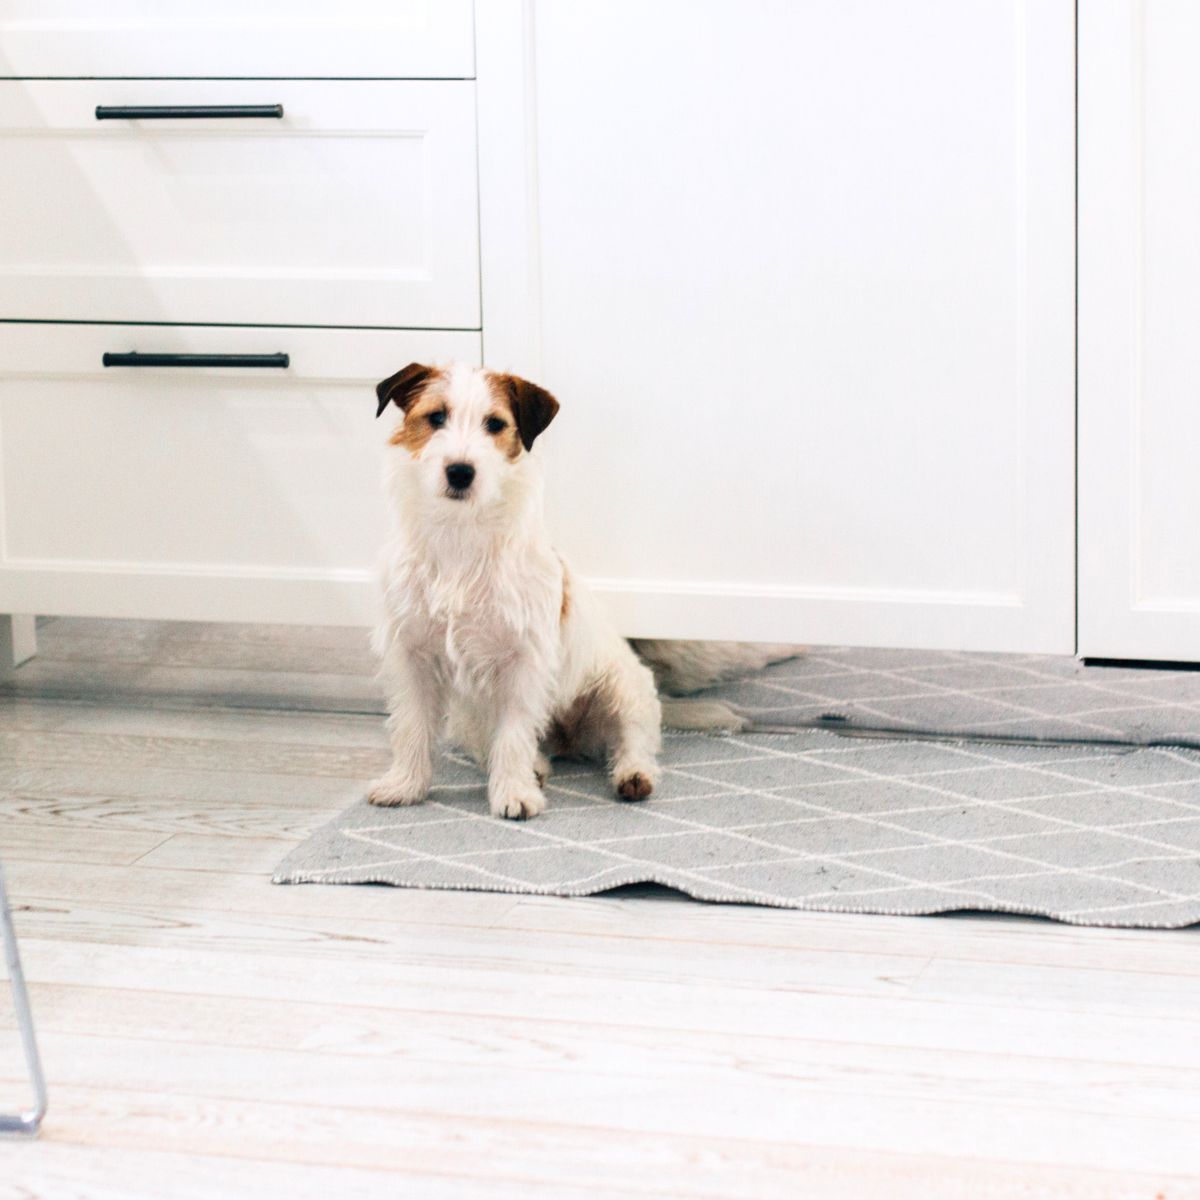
[495, 425]
[438, 419]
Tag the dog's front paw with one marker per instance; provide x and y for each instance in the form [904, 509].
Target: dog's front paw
[634, 783]
[541, 770]
[395, 789]
[517, 803]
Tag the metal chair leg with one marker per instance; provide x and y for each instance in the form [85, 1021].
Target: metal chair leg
[29, 1121]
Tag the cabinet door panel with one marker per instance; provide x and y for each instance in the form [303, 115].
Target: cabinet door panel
[806, 297]
[1139, 356]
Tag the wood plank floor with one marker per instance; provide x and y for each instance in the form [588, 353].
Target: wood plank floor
[206, 1034]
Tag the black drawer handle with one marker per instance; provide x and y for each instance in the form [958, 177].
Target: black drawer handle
[134, 359]
[175, 112]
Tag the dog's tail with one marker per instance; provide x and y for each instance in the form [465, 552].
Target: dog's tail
[683, 667]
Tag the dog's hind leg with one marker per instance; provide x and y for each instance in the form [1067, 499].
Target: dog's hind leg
[635, 730]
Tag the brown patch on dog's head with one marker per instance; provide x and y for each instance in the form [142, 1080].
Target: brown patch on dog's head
[403, 388]
[532, 407]
[416, 393]
[501, 426]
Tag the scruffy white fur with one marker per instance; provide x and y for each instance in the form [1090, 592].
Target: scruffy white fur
[477, 641]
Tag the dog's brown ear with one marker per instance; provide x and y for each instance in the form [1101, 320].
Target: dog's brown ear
[401, 389]
[533, 407]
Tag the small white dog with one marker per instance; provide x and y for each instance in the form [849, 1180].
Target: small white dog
[486, 634]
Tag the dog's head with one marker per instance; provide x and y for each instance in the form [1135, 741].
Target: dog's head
[465, 428]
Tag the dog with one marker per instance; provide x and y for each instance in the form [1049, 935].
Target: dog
[486, 632]
[487, 636]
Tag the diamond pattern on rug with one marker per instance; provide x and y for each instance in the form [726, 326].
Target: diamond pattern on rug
[1092, 835]
[1022, 696]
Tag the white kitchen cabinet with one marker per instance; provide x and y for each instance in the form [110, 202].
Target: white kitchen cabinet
[1139, 353]
[804, 287]
[322, 243]
[355, 205]
[801, 275]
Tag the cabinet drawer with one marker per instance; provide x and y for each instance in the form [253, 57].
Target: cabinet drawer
[179, 492]
[391, 39]
[356, 207]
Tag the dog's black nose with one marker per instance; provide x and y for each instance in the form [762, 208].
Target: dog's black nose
[459, 475]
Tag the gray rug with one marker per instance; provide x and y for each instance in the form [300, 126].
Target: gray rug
[1023, 696]
[1091, 835]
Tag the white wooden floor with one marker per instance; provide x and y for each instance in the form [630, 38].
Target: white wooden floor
[206, 1034]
